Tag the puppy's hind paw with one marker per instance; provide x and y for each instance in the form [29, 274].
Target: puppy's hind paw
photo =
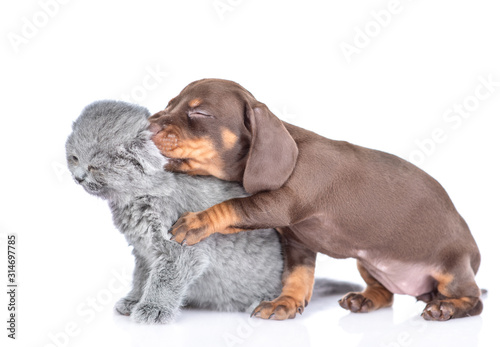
[152, 313]
[370, 300]
[124, 306]
[438, 311]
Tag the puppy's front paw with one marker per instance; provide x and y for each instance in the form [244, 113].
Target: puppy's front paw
[191, 228]
[125, 305]
[283, 307]
[152, 313]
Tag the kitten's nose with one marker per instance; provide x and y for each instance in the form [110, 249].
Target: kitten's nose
[80, 175]
[80, 179]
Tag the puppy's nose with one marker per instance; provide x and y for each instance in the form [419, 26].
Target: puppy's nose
[155, 128]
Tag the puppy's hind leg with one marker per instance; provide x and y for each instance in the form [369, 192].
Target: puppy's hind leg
[375, 295]
[457, 293]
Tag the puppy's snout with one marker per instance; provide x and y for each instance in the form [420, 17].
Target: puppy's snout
[158, 117]
[155, 128]
[166, 141]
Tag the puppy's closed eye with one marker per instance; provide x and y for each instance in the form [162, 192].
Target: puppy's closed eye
[199, 114]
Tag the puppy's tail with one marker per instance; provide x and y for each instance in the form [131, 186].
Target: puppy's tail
[326, 287]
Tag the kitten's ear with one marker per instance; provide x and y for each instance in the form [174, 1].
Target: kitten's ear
[139, 151]
[126, 152]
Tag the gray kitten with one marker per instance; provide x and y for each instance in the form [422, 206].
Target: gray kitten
[111, 156]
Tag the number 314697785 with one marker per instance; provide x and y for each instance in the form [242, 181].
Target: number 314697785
[11, 258]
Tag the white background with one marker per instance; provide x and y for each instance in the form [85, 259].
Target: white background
[394, 93]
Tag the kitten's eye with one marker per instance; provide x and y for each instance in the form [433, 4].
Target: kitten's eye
[92, 168]
[74, 158]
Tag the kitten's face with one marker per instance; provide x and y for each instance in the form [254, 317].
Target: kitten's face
[88, 171]
[100, 169]
[110, 150]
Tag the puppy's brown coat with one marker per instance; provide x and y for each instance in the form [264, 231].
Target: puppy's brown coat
[324, 196]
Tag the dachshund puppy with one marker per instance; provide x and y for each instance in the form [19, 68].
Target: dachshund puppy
[323, 196]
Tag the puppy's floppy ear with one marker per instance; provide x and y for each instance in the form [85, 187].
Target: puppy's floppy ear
[272, 154]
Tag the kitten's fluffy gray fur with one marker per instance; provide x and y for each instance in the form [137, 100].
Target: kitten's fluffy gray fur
[110, 154]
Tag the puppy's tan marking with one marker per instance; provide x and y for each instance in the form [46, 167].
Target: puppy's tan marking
[228, 138]
[443, 282]
[199, 156]
[195, 102]
[202, 158]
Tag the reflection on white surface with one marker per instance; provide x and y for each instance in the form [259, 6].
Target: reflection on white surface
[324, 323]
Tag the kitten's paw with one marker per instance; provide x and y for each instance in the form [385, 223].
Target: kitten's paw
[125, 305]
[152, 313]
